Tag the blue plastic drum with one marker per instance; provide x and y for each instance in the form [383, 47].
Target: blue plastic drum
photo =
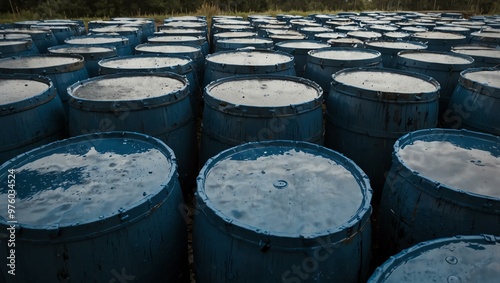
[94, 208]
[281, 211]
[299, 49]
[439, 41]
[442, 183]
[91, 54]
[121, 43]
[133, 34]
[484, 55]
[390, 49]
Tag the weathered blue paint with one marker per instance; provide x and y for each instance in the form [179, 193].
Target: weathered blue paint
[476, 101]
[445, 67]
[31, 114]
[121, 43]
[323, 63]
[91, 54]
[457, 259]
[63, 70]
[43, 39]
[96, 208]
[299, 50]
[368, 109]
[281, 211]
[253, 108]
[442, 183]
[247, 62]
[60, 32]
[390, 49]
[155, 104]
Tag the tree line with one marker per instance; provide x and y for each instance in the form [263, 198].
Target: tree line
[114, 8]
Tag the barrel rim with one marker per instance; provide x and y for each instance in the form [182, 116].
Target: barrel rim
[262, 111]
[179, 69]
[280, 239]
[382, 272]
[46, 70]
[196, 49]
[236, 68]
[404, 62]
[337, 62]
[28, 103]
[130, 105]
[109, 51]
[451, 193]
[96, 226]
[393, 96]
[477, 87]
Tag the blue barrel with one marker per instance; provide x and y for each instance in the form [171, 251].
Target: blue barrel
[25, 24]
[299, 49]
[439, 41]
[254, 108]
[396, 36]
[181, 65]
[289, 35]
[476, 101]
[76, 28]
[146, 28]
[414, 29]
[43, 39]
[442, 183]
[63, 70]
[364, 35]
[230, 35]
[445, 67]
[155, 104]
[345, 42]
[281, 211]
[454, 29]
[348, 28]
[484, 55]
[488, 38]
[10, 48]
[238, 43]
[191, 51]
[368, 109]
[31, 114]
[309, 32]
[178, 32]
[95, 208]
[323, 63]
[302, 23]
[390, 50]
[91, 54]
[329, 35]
[60, 32]
[133, 34]
[247, 62]
[187, 40]
[383, 28]
[199, 25]
[121, 43]
[457, 259]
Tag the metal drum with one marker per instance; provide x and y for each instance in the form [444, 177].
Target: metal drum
[299, 49]
[368, 109]
[230, 35]
[60, 32]
[390, 49]
[247, 62]
[489, 38]
[476, 101]
[439, 41]
[442, 183]
[91, 54]
[181, 65]
[43, 39]
[286, 36]
[238, 43]
[191, 51]
[133, 34]
[484, 55]
[281, 211]
[445, 67]
[121, 43]
[95, 208]
[457, 259]
[63, 70]
[254, 108]
[323, 63]
[177, 40]
[31, 114]
[10, 48]
[155, 104]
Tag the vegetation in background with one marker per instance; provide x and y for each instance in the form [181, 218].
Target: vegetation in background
[45, 9]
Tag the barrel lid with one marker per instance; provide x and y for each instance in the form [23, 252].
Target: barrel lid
[457, 259]
[451, 29]
[15, 36]
[384, 28]
[276, 95]
[397, 45]
[134, 90]
[186, 24]
[335, 56]
[488, 55]
[97, 39]
[255, 58]
[316, 29]
[283, 190]
[485, 81]
[27, 31]
[397, 34]
[330, 35]
[20, 92]
[438, 35]
[145, 62]
[178, 31]
[168, 48]
[42, 64]
[287, 37]
[245, 40]
[460, 163]
[13, 46]
[175, 39]
[87, 51]
[364, 35]
[486, 35]
[223, 26]
[88, 184]
[412, 57]
[53, 28]
[301, 44]
[414, 29]
[386, 84]
[117, 29]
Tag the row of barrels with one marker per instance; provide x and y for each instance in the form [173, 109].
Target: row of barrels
[271, 211]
